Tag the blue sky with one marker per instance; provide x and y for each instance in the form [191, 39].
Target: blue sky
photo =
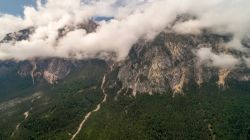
[14, 7]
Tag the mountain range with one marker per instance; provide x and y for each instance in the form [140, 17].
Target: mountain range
[161, 90]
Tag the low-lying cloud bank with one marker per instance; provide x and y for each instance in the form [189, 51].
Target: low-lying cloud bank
[133, 20]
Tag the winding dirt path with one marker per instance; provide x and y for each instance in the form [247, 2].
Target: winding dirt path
[95, 110]
[210, 128]
[26, 115]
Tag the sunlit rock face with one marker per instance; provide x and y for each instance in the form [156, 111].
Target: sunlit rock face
[169, 63]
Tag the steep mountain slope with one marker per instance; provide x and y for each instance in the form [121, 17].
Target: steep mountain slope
[37, 70]
[57, 93]
[170, 63]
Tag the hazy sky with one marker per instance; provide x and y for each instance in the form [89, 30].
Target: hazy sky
[14, 6]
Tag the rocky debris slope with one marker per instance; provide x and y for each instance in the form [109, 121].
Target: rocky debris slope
[50, 69]
[169, 63]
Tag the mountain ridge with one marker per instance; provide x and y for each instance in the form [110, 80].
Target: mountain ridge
[167, 63]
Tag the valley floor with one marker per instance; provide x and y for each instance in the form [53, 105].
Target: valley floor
[92, 113]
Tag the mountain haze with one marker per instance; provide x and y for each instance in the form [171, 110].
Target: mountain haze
[126, 70]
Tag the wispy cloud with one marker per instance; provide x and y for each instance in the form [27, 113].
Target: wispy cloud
[133, 20]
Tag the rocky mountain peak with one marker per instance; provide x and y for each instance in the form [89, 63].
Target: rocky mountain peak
[18, 36]
[50, 69]
[166, 63]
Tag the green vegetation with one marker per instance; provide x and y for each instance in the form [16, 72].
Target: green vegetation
[201, 114]
[12, 85]
[195, 116]
[57, 110]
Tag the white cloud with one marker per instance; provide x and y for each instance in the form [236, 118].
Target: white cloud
[222, 60]
[247, 62]
[133, 20]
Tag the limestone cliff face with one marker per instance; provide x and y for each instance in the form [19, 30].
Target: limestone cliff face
[51, 69]
[169, 63]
